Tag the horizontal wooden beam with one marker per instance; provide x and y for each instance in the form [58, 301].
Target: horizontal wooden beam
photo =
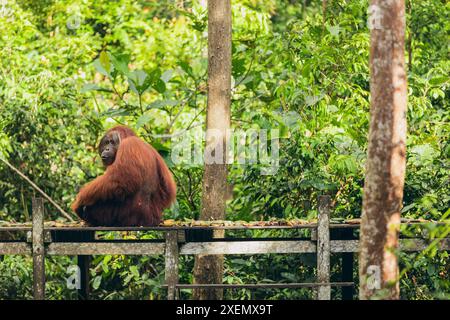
[247, 247]
[213, 247]
[19, 248]
[414, 244]
[230, 226]
[99, 248]
[261, 285]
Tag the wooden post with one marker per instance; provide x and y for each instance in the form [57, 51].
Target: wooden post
[323, 248]
[172, 264]
[38, 249]
[83, 263]
[347, 267]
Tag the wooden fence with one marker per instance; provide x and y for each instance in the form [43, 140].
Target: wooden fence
[81, 242]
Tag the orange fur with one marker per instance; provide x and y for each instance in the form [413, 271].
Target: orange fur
[134, 189]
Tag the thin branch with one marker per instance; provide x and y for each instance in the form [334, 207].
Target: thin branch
[65, 214]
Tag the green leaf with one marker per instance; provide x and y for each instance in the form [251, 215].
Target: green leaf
[158, 104]
[96, 283]
[306, 70]
[115, 113]
[105, 267]
[424, 152]
[162, 149]
[142, 120]
[238, 67]
[160, 86]
[155, 75]
[127, 279]
[135, 271]
[343, 164]
[139, 81]
[93, 87]
[167, 75]
[186, 68]
[107, 258]
[120, 63]
[408, 207]
[438, 81]
[431, 269]
[290, 119]
[334, 30]
[99, 67]
[105, 61]
[289, 276]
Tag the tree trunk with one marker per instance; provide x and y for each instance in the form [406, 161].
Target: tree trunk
[209, 268]
[385, 167]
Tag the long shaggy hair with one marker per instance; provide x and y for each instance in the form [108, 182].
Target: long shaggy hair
[133, 191]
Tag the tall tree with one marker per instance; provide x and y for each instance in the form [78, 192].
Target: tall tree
[209, 268]
[385, 167]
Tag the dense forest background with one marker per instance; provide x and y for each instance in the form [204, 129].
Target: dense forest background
[71, 69]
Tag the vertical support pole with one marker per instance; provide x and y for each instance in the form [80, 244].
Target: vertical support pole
[38, 249]
[323, 248]
[172, 264]
[83, 263]
[347, 266]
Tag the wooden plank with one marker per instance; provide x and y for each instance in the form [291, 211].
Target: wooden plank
[38, 249]
[307, 225]
[344, 245]
[406, 245]
[99, 248]
[19, 248]
[323, 248]
[171, 270]
[410, 245]
[222, 247]
[195, 227]
[263, 285]
[248, 247]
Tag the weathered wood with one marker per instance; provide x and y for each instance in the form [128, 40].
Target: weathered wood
[222, 247]
[263, 285]
[406, 245]
[248, 247]
[100, 248]
[47, 236]
[414, 244]
[344, 245]
[181, 236]
[38, 249]
[171, 271]
[323, 248]
[19, 248]
[227, 225]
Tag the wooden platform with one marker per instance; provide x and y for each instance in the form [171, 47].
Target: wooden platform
[325, 237]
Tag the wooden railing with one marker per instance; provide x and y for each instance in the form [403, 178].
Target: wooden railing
[81, 242]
